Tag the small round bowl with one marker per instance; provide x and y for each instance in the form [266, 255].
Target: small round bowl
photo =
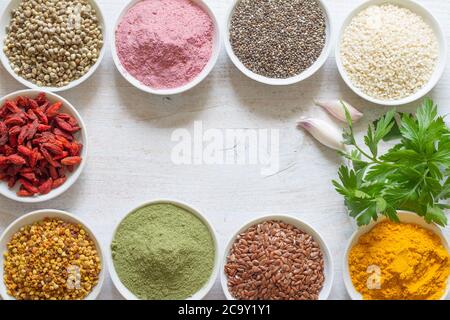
[428, 18]
[405, 217]
[328, 261]
[171, 91]
[287, 81]
[5, 18]
[82, 137]
[199, 295]
[36, 216]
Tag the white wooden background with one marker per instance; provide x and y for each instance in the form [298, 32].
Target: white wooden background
[130, 147]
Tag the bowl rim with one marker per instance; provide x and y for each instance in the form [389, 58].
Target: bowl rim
[300, 224]
[84, 139]
[408, 217]
[39, 215]
[5, 61]
[200, 294]
[429, 18]
[309, 72]
[216, 48]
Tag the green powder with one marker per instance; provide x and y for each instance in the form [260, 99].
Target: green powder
[163, 252]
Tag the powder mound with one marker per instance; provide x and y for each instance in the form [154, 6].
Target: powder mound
[165, 43]
[406, 261]
[163, 252]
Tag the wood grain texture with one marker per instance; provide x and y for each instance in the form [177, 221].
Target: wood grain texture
[130, 148]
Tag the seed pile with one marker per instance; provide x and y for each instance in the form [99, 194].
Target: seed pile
[278, 38]
[53, 42]
[275, 261]
[37, 145]
[51, 260]
[389, 52]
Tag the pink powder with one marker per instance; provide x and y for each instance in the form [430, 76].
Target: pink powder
[165, 43]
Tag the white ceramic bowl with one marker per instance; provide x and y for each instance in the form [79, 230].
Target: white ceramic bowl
[428, 18]
[406, 217]
[36, 216]
[199, 78]
[5, 18]
[199, 295]
[288, 81]
[71, 176]
[328, 261]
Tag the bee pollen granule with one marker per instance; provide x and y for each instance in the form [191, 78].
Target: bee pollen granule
[51, 260]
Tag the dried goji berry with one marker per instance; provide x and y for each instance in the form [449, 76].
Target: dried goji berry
[16, 120]
[32, 129]
[58, 182]
[24, 193]
[12, 106]
[33, 158]
[31, 115]
[16, 160]
[12, 181]
[61, 133]
[27, 185]
[71, 161]
[8, 150]
[46, 187]
[25, 151]
[12, 141]
[37, 144]
[33, 104]
[49, 158]
[62, 124]
[41, 115]
[14, 131]
[43, 127]
[3, 133]
[30, 177]
[23, 134]
[63, 155]
[41, 98]
[26, 170]
[22, 102]
[53, 110]
[53, 172]
[53, 148]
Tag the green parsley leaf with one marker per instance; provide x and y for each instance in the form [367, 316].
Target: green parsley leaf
[413, 175]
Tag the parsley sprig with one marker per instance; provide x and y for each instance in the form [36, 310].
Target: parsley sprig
[412, 176]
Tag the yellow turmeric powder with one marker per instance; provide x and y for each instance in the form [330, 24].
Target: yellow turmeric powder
[399, 261]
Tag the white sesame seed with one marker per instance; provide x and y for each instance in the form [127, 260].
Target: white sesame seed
[389, 52]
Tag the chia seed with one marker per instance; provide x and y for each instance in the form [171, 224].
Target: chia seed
[278, 38]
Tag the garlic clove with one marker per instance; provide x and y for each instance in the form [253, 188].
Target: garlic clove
[336, 108]
[324, 132]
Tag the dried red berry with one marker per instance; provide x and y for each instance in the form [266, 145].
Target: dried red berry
[53, 110]
[46, 187]
[37, 144]
[16, 160]
[71, 161]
